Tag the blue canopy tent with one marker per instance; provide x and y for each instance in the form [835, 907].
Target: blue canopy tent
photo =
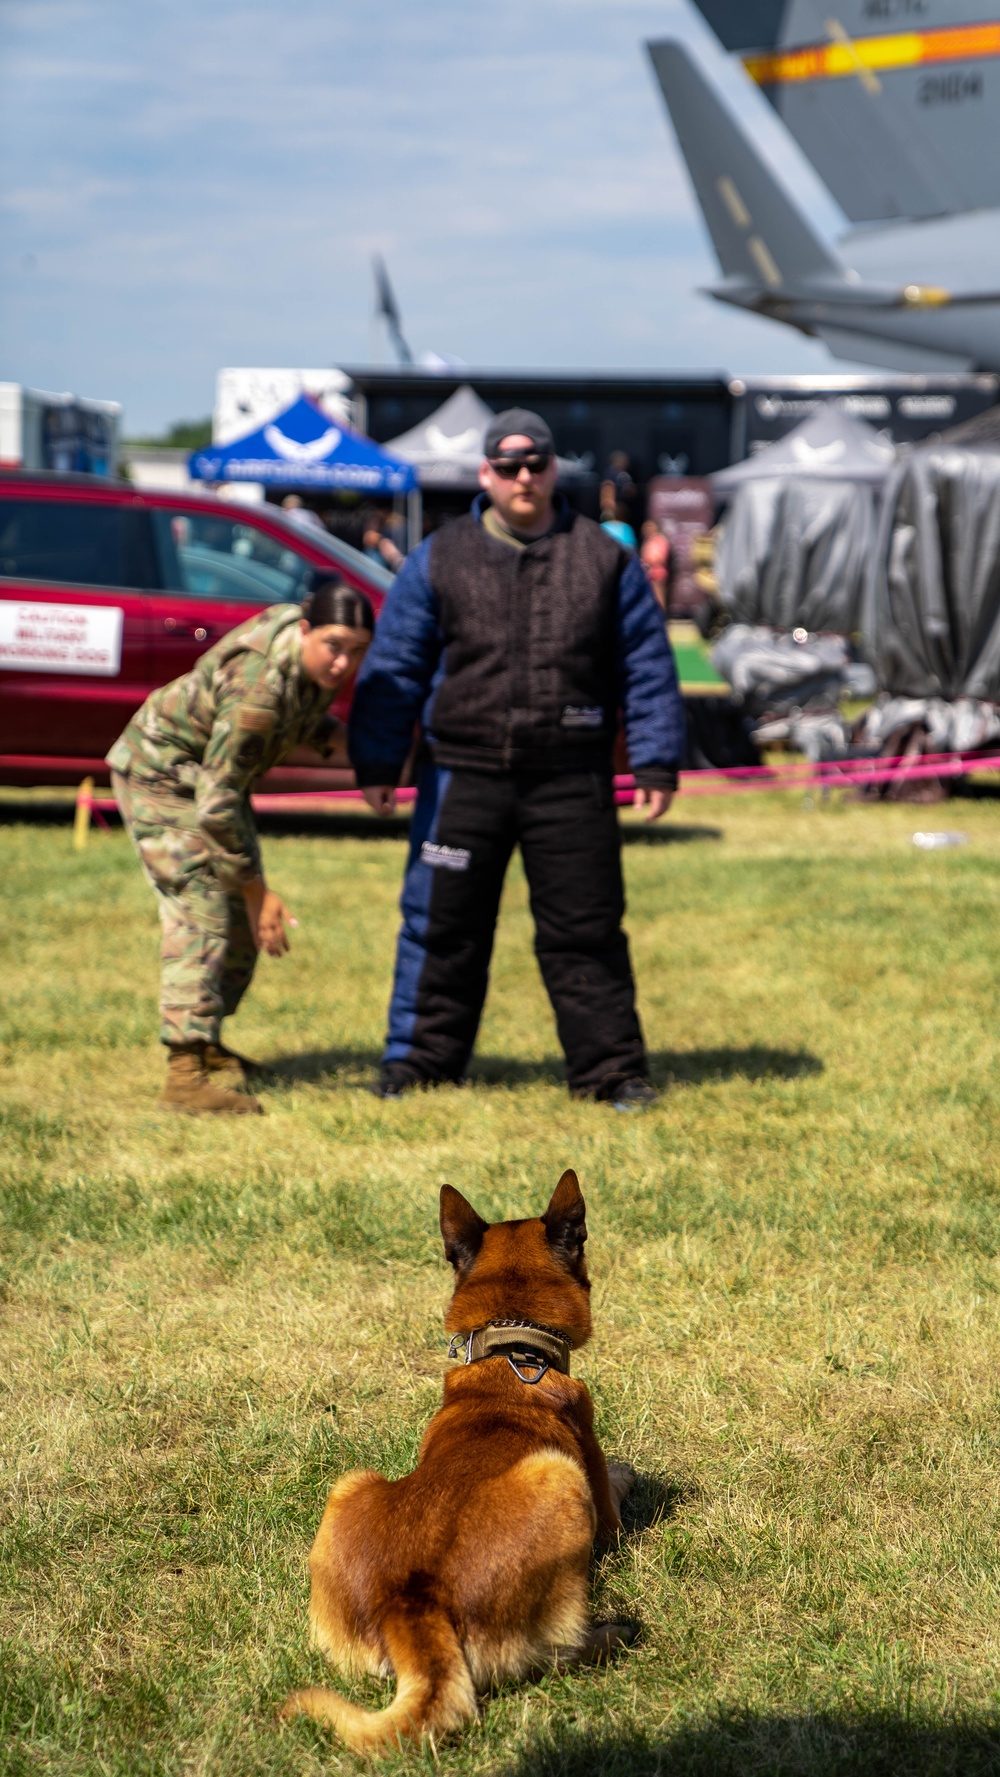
[303, 448]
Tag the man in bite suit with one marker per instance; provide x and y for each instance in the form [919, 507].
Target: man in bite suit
[515, 635]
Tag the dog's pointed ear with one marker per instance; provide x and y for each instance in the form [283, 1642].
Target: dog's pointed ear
[566, 1221]
[462, 1229]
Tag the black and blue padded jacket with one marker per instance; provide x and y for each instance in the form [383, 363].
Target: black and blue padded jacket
[519, 658]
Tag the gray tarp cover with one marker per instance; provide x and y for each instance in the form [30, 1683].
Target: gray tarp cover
[932, 619]
[793, 687]
[796, 553]
[775, 672]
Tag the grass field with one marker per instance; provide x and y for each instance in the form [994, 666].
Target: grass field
[796, 1265]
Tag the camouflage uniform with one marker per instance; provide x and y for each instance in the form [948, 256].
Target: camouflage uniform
[182, 774]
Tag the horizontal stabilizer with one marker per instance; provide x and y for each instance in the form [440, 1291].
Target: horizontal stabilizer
[760, 233]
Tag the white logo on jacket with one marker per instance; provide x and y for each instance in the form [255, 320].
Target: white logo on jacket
[445, 857]
[581, 716]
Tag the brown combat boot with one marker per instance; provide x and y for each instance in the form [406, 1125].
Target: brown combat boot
[226, 1065]
[190, 1086]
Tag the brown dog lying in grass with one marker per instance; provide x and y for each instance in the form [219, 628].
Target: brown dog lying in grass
[474, 1567]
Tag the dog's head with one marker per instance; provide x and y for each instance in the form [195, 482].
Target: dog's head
[532, 1270]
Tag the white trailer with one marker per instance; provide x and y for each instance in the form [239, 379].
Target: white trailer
[42, 430]
[246, 399]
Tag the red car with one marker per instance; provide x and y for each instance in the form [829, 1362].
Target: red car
[106, 593]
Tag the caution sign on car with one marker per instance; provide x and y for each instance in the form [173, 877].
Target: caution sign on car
[43, 638]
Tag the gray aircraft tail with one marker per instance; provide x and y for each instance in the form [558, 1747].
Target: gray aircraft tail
[893, 101]
[761, 234]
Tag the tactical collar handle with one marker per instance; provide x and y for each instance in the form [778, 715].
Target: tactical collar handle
[526, 1347]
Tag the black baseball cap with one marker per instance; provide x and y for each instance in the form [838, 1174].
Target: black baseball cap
[518, 422]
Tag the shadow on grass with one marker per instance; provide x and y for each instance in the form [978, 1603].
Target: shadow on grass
[674, 833]
[56, 811]
[667, 1067]
[52, 812]
[319, 1064]
[650, 1500]
[757, 1062]
[966, 790]
[344, 824]
[883, 1744]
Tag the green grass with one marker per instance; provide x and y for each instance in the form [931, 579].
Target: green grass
[796, 1263]
[693, 657]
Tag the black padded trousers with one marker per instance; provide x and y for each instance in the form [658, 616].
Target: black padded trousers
[465, 827]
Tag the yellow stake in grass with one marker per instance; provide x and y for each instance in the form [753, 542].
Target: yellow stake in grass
[81, 820]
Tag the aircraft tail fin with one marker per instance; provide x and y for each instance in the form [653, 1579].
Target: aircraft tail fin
[760, 233]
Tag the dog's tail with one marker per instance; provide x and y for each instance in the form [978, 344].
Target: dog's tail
[434, 1689]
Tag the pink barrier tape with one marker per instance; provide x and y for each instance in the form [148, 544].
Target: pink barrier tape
[280, 798]
[718, 781]
[95, 805]
[846, 774]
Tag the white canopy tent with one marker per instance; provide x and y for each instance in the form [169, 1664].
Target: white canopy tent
[828, 446]
[446, 449]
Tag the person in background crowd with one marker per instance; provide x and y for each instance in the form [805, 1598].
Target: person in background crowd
[618, 488]
[182, 773]
[376, 542]
[516, 633]
[613, 521]
[655, 557]
[302, 515]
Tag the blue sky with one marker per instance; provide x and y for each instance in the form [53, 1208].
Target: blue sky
[187, 185]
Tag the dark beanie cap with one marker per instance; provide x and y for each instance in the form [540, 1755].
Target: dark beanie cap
[518, 422]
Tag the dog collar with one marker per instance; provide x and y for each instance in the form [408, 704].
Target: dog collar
[525, 1346]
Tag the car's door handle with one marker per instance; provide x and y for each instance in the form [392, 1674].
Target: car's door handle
[200, 631]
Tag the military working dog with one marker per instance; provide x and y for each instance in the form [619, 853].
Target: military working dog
[474, 1567]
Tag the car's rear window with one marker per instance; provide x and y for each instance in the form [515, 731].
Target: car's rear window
[74, 542]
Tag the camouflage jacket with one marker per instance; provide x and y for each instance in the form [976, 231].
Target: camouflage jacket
[244, 706]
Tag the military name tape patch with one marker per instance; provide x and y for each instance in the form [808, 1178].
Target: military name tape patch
[581, 716]
[445, 857]
[256, 717]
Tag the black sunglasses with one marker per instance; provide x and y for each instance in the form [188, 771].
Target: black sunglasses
[509, 468]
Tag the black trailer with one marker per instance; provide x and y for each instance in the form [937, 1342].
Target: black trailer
[668, 425]
[907, 408]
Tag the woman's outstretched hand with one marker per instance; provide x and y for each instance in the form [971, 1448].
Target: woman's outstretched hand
[271, 934]
[267, 914]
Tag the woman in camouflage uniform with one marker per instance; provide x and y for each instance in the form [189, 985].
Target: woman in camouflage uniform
[182, 774]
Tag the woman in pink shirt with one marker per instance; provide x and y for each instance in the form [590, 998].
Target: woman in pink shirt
[655, 557]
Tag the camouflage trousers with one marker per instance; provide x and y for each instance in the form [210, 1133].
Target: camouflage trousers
[207, 952]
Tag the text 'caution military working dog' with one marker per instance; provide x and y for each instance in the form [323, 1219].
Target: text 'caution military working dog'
[475, 1567]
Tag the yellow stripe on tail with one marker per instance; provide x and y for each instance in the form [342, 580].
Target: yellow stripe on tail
[873, 55]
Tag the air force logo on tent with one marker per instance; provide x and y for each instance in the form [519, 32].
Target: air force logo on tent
[301, 448]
